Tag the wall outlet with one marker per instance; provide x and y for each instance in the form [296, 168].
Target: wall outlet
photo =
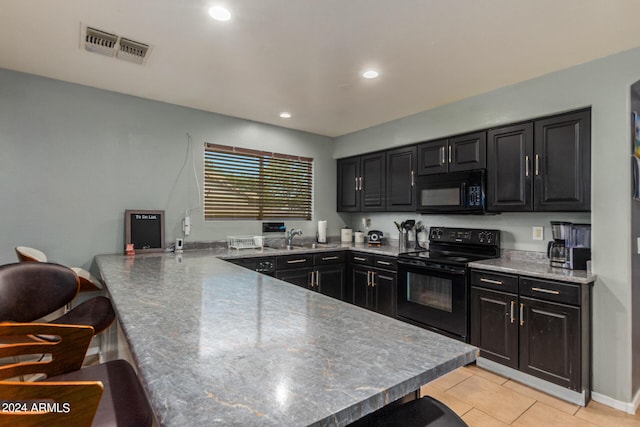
[538, 233]
[366, 222]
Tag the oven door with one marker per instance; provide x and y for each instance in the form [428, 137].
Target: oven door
[434, 296]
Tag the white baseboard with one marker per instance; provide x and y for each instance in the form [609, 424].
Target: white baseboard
[629, 408]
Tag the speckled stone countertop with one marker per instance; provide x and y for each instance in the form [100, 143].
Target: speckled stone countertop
[218, 344]
[533, 264]
[224, 253]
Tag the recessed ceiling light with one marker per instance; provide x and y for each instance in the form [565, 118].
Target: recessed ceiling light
[285, 115]
[370, 74]
[219, 13]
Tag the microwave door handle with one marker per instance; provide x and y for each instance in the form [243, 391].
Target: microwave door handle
[463, 195]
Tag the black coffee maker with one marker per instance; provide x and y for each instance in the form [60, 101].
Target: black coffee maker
[571, 245]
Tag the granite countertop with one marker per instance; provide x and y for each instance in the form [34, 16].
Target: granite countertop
[533, 264]
[224, 253]
[215, 343]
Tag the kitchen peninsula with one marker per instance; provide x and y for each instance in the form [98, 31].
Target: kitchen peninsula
[215, 343]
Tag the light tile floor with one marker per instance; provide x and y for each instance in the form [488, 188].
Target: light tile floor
[484, 399]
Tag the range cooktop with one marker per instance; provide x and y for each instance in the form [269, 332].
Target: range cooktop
[458, 246]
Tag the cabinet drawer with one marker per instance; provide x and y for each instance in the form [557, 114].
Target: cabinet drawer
[294, 261]
[567, 293]
[361, 258]
[329, 258]
[497, 281]
[386, 262]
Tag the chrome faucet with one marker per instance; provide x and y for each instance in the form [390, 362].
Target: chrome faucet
[291, 234]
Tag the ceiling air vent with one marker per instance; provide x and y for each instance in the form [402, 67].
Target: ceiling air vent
[100, 42]
[132, 51]
[108, 44]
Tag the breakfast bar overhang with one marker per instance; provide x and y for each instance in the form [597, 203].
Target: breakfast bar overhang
[214, 343]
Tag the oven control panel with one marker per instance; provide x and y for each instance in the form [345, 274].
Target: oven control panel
[472, 236]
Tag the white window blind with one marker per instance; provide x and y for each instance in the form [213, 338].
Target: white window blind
[240, 183]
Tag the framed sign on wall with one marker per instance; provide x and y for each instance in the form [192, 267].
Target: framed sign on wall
[144, 229]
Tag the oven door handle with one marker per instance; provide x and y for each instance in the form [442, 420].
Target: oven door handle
[433, 267]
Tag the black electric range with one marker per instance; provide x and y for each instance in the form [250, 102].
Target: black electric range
[433, 285]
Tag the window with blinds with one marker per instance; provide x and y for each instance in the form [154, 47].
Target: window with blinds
[248, 184]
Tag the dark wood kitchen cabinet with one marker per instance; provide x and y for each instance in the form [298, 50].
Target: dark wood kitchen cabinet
[401, 174]
[493, 330]
[543, 165]
[373, 282]
[536, 326]
[322, 272]
[362, 183]
[459, 153]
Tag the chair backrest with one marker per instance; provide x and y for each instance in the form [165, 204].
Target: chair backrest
[32, 290]
[30, 254]
[66, 403]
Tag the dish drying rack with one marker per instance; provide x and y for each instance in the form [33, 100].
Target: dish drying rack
[245, 242]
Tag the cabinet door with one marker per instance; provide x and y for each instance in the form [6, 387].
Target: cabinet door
[348, 184]
[373, 182]
[330, 280]
[494, 327]
[384, 292]
[433, 157]
[297, 276]
[401, 169]
[360, 283]
[563, 163]
[550, 342]
[509, 174]
[468, 152]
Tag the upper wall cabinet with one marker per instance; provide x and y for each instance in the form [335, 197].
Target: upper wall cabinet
[401, 174]
[544, 165]
[361, 183]
[460, 153]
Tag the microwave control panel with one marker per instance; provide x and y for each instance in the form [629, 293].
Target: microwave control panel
[475, 196]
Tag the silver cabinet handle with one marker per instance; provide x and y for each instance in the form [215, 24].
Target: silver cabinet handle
[412, 180]
[521, 314]
[360, 183]
[357, 258]
[442, 151]
[513, 303]
[494, 282]
[296, 261]
[526, 166]
[356, 183]
[317, 279]
[310, 279]
[449, 154]
[328, 258]
[546, 291]
[537, 165]
[373, 279]
[383, 262]
[368, 278]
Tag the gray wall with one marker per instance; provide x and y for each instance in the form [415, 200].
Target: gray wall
[635, 266]
[604, 85]
[74, 158]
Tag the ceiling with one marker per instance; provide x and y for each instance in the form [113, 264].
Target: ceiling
[306, 56]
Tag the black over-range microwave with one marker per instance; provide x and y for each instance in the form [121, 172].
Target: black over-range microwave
[453, 192]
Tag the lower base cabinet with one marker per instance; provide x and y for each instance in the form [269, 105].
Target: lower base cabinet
[374, 287]
[539, 327]
[322, 272]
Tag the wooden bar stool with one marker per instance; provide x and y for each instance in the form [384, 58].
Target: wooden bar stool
[423, 412]
[30, 291]
[88, 282]
[108, 394]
